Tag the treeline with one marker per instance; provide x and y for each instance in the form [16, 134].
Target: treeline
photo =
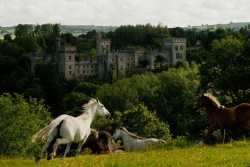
[152, 104]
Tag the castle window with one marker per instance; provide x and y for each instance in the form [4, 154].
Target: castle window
[176, 47]
[181, 47]
[69, 66]
[178, 55]
[69, 57]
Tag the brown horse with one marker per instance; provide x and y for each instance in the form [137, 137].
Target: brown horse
[223, 118]
[98, 142]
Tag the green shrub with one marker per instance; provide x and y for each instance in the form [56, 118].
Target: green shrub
[20, 119]
[139, 120]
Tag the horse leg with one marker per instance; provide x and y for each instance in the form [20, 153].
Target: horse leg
[66, 150]
[45, 146]
[211, 129]
[80, 145]
[57, 143]
[222, 138]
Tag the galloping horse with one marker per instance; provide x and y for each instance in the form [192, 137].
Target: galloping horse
[134, 142]
[223, 118]
[67, 129]
[99, 142]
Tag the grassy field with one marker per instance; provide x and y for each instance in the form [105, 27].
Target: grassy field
[232, 154]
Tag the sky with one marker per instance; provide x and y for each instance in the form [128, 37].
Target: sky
[170, 13]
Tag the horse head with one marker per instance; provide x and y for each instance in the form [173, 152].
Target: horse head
[201, 102]
[101, 110]
[117, 134]
[106, 142]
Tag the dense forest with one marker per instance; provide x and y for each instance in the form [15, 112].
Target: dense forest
[151, 104]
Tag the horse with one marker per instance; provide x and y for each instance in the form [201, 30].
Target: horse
[66, 129]
[98, 142]
[133, 142]
[221, 117]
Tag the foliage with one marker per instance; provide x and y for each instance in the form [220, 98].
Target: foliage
[73, 102]
[225, 69]
[53, 85]
[138, 119]
[86, 88]
[145, 123]
[171, 94]
[139, 35]
[20, 119]
[176, 97]
[23, 30]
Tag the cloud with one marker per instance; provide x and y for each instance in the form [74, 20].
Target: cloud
[123, 12]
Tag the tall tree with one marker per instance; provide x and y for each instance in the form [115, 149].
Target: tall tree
[226, 70]
[23, 30]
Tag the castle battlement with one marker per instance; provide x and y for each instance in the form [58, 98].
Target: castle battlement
[174, 40]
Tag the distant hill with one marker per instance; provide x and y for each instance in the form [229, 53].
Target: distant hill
[235, 26]
[83, 29]
[74, 29]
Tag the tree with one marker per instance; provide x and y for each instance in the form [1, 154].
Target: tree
[53, 85]
[86, 88]
[29, 43]
[171, 94]
[175, 98]
[225, 69]
[145, 123]
[73, 102]
[7, 37]
[23, 30]
[159, 61]
[20, 119]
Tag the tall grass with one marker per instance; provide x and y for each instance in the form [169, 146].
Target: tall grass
[176, 154]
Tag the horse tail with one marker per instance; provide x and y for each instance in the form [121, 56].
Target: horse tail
[161, 141]
[47, 129]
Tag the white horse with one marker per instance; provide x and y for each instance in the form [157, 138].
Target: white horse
[66, 129]
[134, 142]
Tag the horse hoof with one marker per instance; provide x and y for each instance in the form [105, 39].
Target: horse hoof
[49, 157]
[37, 159]
[200, 143]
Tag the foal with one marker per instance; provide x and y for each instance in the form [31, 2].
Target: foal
[223, 118]
[134, 142]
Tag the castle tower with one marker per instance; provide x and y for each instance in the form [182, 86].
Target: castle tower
[66, 62]
[103, 55]
[176, 49]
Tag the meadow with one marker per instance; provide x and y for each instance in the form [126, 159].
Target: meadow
[231, 154]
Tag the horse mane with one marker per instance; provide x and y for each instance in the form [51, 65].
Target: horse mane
[131, 134]
[89, 104]
[214, 100]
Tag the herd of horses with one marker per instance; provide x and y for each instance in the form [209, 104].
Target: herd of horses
[68, 130]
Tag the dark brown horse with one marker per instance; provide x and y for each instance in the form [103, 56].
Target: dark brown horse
[98, 142]
[223, 118]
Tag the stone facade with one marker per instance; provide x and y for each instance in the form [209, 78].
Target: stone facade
[110, 63]
[176, 50]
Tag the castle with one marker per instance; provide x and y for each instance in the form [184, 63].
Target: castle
[110, 63]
